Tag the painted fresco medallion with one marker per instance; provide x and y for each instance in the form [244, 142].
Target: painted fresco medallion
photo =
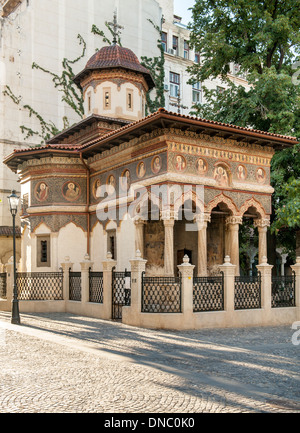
[221, 176]
[71, 191]
[96, 189]
[260, 175]
[241, 172]
[125, 180]
[201, 166]
[111, 185]
[141, 170]
[180, 163]
[156, 164]
[41, 191]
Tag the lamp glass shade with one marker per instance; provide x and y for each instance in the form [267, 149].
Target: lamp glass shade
[13, 201]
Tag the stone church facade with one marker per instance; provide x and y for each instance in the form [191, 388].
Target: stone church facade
[167, 185]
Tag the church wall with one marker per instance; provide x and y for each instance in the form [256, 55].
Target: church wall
[72, 243]
[97, 246]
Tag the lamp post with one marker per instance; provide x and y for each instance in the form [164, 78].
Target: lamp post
[13, 201]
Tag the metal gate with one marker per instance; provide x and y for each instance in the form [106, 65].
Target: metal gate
[121, 293]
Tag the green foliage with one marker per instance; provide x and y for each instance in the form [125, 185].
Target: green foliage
[71, 95]
[156, 66]
[263, 38]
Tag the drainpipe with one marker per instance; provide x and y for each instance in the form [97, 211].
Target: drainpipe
[87, 202]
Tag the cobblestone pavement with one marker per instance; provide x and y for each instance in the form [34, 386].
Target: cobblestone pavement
[60, 363]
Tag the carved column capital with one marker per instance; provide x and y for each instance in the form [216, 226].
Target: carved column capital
[234, 219]
[262, 222]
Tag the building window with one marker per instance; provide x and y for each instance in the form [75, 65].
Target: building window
[186, 52]
[197, 58]
[220, 90]
[164, 41]
[107, 99]
[175, 45]
[174, 84]
[197, 96]
[129, 97]
[43, 251]
[89, 102]
[111, 243]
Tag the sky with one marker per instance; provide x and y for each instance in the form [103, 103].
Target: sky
[181, 9]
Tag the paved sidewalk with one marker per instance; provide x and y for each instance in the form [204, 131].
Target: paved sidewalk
[59, 363]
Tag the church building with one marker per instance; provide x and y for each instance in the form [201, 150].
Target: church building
[168, 185]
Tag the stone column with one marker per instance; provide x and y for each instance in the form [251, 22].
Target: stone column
[266, 283]
[108, 266]
[232, 248]
[85, 281]
[296, 269]
[168, 219]
[229, 271]
[67, 266]
[9, 267]
[139, 235]
[138, 266]
[186, 270]
[262, 226]
[201, 221]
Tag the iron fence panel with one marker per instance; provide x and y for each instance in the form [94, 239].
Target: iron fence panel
[247, 292]
[161, 294]
[208, 294]
[75, 286]
[39, 286]
[121, 293]
[3, 285]
[283, 291]
[96, 287]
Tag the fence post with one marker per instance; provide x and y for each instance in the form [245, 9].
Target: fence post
[138, 266]
[187, 272]
[266, 283]
[9, 267]
[228, 270]
[66, 266]
[85, 281]
[296, 269]
[108, 266]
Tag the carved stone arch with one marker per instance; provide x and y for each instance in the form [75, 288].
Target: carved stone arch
[188, 196]
[221, 198]
[71, 222]
[38, 225]
[253, 203]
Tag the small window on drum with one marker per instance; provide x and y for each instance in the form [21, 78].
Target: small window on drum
[43, 251]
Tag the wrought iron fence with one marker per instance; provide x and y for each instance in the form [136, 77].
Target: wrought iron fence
[75, 286]
[121, 292]
[208, 294]
[40, 286]
[283, 291]
[3, 285]
[161, 294]
[247, 292]
[96, 287]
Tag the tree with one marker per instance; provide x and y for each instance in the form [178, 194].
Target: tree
[263, 38]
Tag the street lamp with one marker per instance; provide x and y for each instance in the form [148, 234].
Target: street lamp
[13, 201]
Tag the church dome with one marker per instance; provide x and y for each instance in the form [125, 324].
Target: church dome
[115, 56]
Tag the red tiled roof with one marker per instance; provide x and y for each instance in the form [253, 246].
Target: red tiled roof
[114, 56]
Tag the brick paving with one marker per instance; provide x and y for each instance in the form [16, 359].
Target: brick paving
[62, 363]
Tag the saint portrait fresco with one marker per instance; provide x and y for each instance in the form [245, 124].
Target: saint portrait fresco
[41, 191]
[241, 172]
[260, 175]
[141, 170]
[201, 166]
[71, 191]
[96, 189]
[180, 163]
[221, 176]
[125, 180]
[156, 165]
[111, 185]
